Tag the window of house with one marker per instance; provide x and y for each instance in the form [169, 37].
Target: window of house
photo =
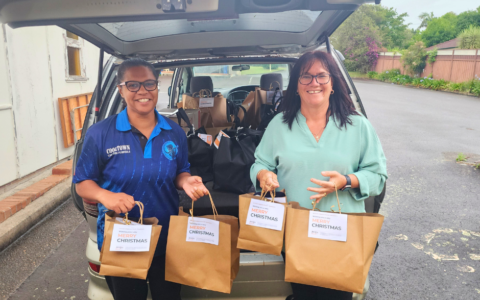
[75, 69]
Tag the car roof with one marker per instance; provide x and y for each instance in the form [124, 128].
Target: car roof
[176, 29]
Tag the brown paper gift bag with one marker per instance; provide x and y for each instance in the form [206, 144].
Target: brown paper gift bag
[253, 104]
[127, 264]
[254, 238]
[331, 264]
[203, 265]
[215, 116]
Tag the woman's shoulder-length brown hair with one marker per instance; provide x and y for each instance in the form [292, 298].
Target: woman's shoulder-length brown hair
[340, 104]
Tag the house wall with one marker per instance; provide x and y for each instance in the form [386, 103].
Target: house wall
[456, 65]
[33, 69]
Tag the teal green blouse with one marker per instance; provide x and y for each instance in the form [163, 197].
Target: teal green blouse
[295, 156]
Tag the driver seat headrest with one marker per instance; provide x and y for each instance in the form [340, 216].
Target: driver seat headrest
[198, 83]
[271, 81]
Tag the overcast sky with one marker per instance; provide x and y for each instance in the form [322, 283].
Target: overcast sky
[439, 7]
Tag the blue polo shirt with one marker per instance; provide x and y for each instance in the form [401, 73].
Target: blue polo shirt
[113, 157]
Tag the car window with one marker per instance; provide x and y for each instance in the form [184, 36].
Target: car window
[294, 21]
[225, 78]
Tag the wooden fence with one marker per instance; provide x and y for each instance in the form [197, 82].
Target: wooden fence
[453, 65]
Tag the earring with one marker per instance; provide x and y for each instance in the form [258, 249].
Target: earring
[296, 93]
[333, 92]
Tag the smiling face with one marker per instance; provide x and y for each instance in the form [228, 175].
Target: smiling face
[315, 94]
[142, 102]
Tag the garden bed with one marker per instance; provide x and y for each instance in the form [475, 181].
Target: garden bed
[471, 88]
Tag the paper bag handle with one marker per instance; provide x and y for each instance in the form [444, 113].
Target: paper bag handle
[215, 212]
[264, 194]
[204, 93]
[271, 86]
[141, 207]
[338, 202]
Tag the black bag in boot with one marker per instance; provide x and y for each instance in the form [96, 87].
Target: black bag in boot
[233, 159]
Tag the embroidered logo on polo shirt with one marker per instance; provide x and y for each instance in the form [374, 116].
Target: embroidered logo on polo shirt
[170, 150]
[120, 149]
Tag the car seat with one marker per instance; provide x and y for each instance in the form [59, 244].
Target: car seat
[271, 81]
[198, 83]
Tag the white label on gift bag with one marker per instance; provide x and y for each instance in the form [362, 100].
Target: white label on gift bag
[327, 226]
[203, 230]
[131, 238]
[205, 102]
[265, 214]
[206, 138]
[271, 94]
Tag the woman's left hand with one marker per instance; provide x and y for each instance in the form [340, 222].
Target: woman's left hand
[194, 187]
[327, 187]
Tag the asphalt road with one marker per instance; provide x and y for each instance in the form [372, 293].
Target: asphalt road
[430, 241]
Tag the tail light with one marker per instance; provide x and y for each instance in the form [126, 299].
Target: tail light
[94, 267]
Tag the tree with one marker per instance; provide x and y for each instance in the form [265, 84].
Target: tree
[394, 31]
[467, 18]
[413, 58]
[440, 30]
[470, 38]
[425, 17]
[358, 39]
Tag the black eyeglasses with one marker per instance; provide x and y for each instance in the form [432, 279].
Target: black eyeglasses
[320, 78]
[134, 86]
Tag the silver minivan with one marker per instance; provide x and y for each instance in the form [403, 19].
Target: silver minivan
[237, 43]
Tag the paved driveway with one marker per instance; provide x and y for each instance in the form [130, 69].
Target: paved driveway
[430, 242]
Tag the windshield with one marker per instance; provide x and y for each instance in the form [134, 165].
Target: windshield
[225, 77]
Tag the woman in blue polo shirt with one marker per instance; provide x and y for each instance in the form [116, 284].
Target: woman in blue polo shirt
[137, 155]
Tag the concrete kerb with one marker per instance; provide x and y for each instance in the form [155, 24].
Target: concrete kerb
[21, 222]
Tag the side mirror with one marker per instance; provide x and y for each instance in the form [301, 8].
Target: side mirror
[169, 90]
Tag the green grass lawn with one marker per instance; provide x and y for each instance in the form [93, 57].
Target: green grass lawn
[357, 75]
[255, 70]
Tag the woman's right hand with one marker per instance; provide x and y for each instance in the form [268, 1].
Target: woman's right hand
[268, 180]
[118, 202]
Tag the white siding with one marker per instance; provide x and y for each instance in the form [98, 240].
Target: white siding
[8, 158]
[62, 88]
[32, 98]
[33, 71]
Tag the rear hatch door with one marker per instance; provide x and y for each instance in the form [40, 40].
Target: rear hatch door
[178, 29]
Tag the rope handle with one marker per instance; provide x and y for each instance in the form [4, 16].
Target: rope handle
[271, 85]
[314, 203]
[264, 194]
[203, 93]
[142, 208]
[215, 212]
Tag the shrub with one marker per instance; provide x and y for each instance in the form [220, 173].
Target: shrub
[413, 58]
[388, 75]
[394, 76]
[454, 87]
[476, 86]
[372, 74]
[470, 38]
[432, 56]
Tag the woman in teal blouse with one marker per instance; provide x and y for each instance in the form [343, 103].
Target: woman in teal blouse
[320, 141]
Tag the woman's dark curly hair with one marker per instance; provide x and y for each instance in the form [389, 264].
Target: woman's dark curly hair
[340, 105]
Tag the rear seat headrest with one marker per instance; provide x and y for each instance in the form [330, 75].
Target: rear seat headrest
[198, 83]
[271, 81]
